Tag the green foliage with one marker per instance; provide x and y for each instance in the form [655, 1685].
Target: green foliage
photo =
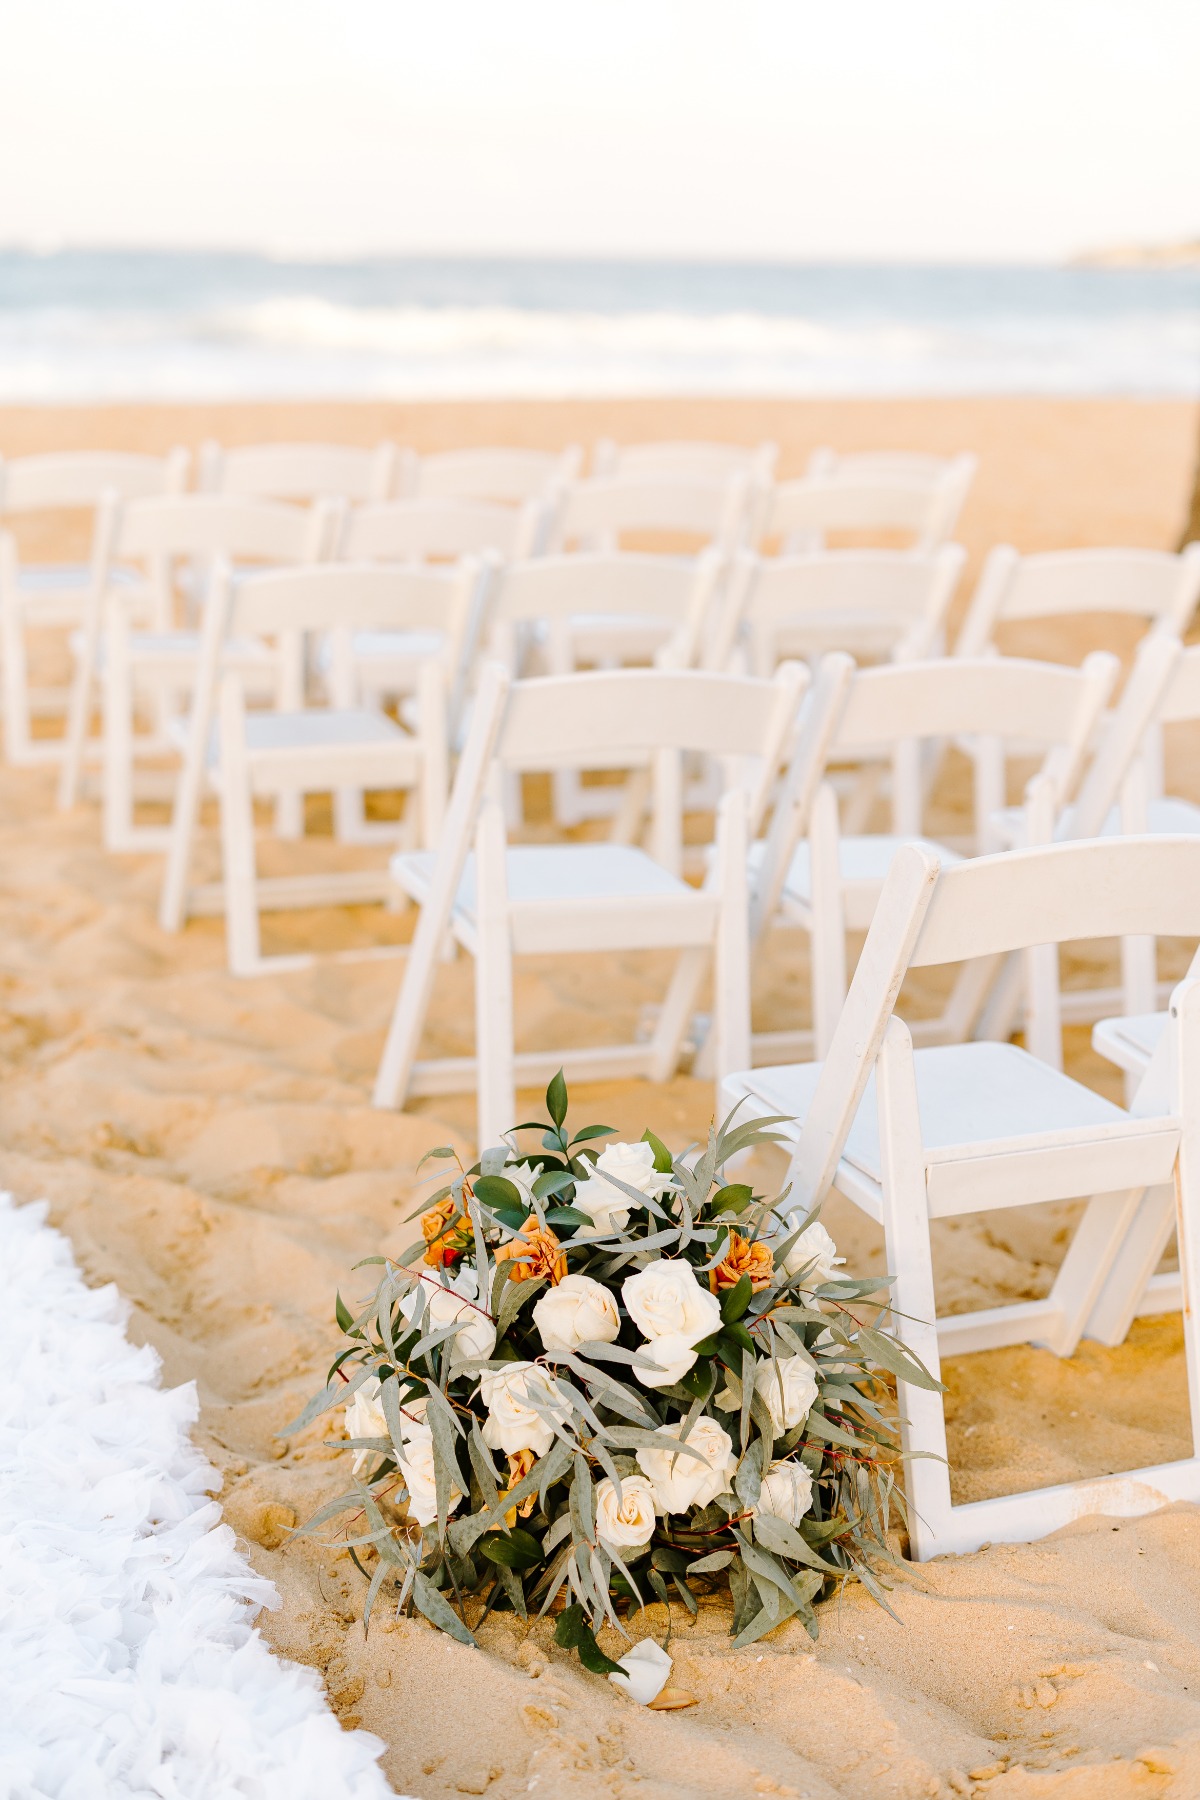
[527, 1535]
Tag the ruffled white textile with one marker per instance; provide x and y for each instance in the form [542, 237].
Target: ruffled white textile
[129, 1665]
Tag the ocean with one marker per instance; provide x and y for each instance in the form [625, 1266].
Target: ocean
[85, 325]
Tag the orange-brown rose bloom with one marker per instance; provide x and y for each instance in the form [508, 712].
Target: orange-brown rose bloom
[743, 1258]
[519, 1465]
[540, 1253]
[447, 1234]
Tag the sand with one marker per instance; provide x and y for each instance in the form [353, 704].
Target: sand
[209, 1145]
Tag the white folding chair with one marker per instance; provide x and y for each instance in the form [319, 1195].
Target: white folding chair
[166, 536]
[1128, 1040]
[1152, 587]
[1111, 785]
[686, 458]
[814, 874]
[507, 475]
[606, 609]
[299, 471]
[872, 603]
[36, 596]
[917, 498]
[436, 530]
[295, 749]
[602, 513]
[911, 1136]
[499, 902]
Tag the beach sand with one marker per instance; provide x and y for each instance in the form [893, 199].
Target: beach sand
[208, 1144]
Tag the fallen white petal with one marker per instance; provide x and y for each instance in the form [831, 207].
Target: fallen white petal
[646, 1667]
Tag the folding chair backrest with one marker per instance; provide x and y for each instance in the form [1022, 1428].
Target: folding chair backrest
[1006, 697]
[615, 584]
[687, 458]
[862, 501]
[199, 525]
[82, 478]
[509, 476]
[605, 508]
[351, 596]
[1152, 585]
[946, 481]
[418, 530]
[905, 593]
[299, 471]
[563, 721]
[991, 906]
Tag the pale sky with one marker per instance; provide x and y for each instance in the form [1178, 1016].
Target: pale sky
[942, 129]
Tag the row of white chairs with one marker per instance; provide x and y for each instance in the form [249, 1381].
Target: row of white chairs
[511, 503]
[911, 1117]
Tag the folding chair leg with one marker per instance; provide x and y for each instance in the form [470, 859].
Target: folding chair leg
[828, 936]
[731, 963]
[79, 705]
[118, 737]
[242, 942]
[674, 1017]
[1098, 1241]
[1185, 1017]
[13, 664]
[494, 1054]
[906, 1234]
[1149, 1232]
[289, 814]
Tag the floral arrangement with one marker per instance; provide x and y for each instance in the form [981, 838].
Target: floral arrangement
[608, 1376]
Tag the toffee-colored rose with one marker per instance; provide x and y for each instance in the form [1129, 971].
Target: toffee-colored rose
[447, 1234]
[742, 1257]
[534, 1252]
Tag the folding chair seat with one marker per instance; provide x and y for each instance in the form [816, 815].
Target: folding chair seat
[813, 872]
[159, 666]
[299, 472]
[1130, 1042]
[296, 749]
[552, 898]
[912, 1135]
[37, 596]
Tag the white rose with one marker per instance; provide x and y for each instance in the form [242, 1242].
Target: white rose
[629, 1524]
[448, 1303]
[521, 1400]
[522, 1175]
[610, 1206]
[363, 1418]
[815, 1251]
[678, 1480]
[577, 1311]
[672, 1312]
[789, 1387]
[786, 1492]
[420, 1479]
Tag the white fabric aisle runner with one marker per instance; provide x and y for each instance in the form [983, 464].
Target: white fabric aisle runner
[129, 1665]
